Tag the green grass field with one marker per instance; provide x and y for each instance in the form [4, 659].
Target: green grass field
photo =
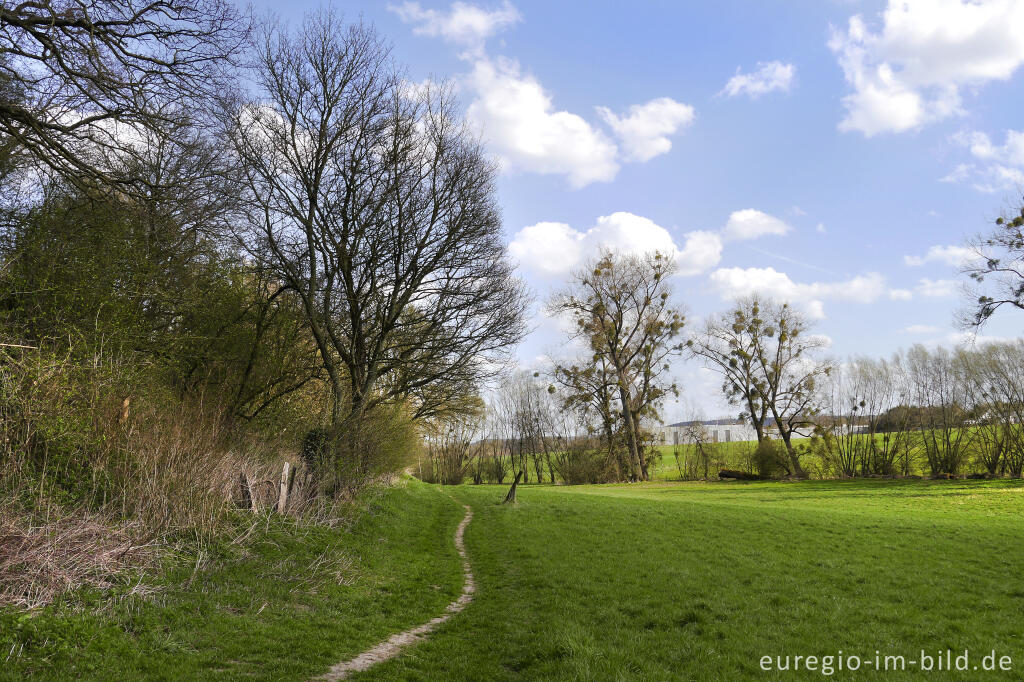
[698, 581]
[284, 604]
[692, 581]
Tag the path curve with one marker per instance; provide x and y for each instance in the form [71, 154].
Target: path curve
[398, 642]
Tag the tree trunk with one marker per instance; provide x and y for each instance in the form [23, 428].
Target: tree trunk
[787, 438]
[631, 437]
[510, 498]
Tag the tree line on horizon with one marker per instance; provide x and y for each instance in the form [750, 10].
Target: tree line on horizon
[593, 418]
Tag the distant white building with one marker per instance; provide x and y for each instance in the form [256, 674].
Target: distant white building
[716, 430]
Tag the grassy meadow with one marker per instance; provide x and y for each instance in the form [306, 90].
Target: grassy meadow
[281, 601]
[642, 581]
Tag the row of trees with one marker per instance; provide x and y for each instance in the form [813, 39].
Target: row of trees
[938, 407]
[950, 408]
[269, 221]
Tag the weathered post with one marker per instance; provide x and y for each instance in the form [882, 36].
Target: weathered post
[282, 498]
[510, 498]
[247, 500]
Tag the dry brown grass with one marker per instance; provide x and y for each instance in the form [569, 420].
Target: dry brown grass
[38, 562]
[100, 470]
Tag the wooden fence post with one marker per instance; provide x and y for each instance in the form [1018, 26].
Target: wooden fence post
[282, 498]
[247, 499]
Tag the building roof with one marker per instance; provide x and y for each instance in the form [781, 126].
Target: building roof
[710, 422]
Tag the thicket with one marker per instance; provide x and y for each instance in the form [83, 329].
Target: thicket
[175, 327]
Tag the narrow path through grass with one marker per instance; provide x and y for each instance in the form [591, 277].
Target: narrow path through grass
[396, 643]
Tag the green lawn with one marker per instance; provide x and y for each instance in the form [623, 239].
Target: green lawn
[692, 581]
[698, 581]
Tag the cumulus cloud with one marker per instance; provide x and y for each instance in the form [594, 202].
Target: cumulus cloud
[547, 248]
[972, 339]
[730, 283]
[937, 288]
[911, 71]
[955, 256]
[550, 249]
[768, 77]
[463, 24]
[644, 132]
[927, 288]
[554, 249]
[518, 118]
[901, 295]
[997, 167]
[750, 223]
[920, 329]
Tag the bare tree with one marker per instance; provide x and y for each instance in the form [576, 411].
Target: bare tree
[82, 80]
[375, 205]
[997, 271]
[855, 395]
[588, 391]
[996, 374]
[621, 306]
[697, 438]
[788, 373]
[452, 447]
[940, 388]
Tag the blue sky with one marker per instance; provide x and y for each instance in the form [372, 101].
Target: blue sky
[835, 154]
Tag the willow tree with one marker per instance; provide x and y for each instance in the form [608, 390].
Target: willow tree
[621, 306]
[373, 203]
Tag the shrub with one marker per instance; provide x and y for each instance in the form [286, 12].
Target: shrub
[343, 460]
[769, 459]
[583, 461]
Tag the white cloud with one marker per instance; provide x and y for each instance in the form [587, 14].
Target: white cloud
[1002, 166]
[644, 132]
[463, 24]
[981, 146]
[959, 174]
[768, 77]
[937, 288]
[820, 228]
[751, 224]
[554, 249]
[920, 329]
[971, 339]
[518, 118]
[823, 340]
[547, 248]
[731, 283]
[701, 251]
[911, 72]
[901, 294]
[955, 256]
